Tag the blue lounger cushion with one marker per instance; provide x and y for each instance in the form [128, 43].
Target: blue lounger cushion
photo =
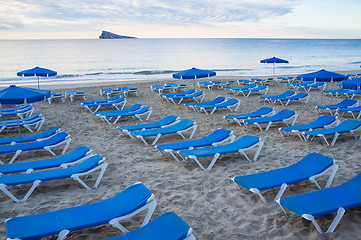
[225, 104]
[308, 168]
[168, 226]
[80, 217]
[21, 121]
[15, 109]
[214, 101]
[30, 138]
[73, 156]
[167, 95]
[282, 95]
[108, 103]
[280, 116]
[163, 122]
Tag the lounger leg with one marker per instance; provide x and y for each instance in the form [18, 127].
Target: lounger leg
[102, 167]
[334, 139]
[157, 138]
[141, 138]
[260, 145]
[258, 192]
[15, 156]
[63, 233]
[280, 192]
[268, 126]
[27, 195]
[214, 109]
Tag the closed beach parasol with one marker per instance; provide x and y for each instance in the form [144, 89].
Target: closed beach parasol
[14, 95]
[194, 73]
[322, 76]
[274, 60]
[38, 72]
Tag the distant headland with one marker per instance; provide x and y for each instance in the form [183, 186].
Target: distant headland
[109, 35]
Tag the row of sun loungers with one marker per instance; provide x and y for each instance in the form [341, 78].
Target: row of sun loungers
[218, 84]
[23, 111]
[124, 91]
[349, 93]
[131, 201]
[32, 123]
[135, 111]
[332, 109]
[248, 90]
[287, 97]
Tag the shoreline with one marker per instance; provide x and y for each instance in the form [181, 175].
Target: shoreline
[104, 83]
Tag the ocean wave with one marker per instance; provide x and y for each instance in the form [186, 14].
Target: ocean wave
[357, 62]
[232, 69]
[153, 72]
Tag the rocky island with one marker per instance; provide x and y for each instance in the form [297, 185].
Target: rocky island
[109, 35]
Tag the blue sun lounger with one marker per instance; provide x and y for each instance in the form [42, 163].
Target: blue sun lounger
[198, 97]
[22, 112]
[109, 92]
[30, 138]
[300, 97]
[4, 110]
[99, 100]
[347, 126]
[161, 89]
[126, 204]
[54, 96]
[167, 226]
[84, 168]
[241, 145]
[73, 94]
[231, 104]
[260, 113]
[317, 85]
[261, 90]
[352, 94]
[323, 121]
[206, 84]
[165, 122]
[118, 103]
[274, 98]
[310, 167]
[63, 161]
[126, 91]
[196, 106]
[351, 110]
[137, 110]
[215, 138]
[35, 121]
[346, 103]
[331, 200]
[337, 92]
[167, 95]
[135, 114]
[288, 117]
[236, 90]
[178, 128]
[46, 144]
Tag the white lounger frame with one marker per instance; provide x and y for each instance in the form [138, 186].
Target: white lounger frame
[333, 168]
[193, 128]
[118, 106]
[73, 95]
[66, 141]
[230, 138]
[102, 167]
[259, 145]
[196, 98]
[286, 121]
[52, 97]
[249, 91]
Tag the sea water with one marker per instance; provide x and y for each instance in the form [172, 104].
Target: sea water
[137, 59]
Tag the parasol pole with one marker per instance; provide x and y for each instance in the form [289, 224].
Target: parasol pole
[38, 83]
[17, 118]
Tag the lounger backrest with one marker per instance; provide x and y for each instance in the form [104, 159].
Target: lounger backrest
[262, 111]
[181, 125]
[47, 133]
[93, 214]
[324, 120]
[347, 102]
[13, 109]
[299, 96]
[348, 124]
[140, 111]
[163, 122]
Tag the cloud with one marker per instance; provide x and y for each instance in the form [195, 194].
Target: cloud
[42, 13]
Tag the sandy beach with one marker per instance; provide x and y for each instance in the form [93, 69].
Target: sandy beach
[209, 201]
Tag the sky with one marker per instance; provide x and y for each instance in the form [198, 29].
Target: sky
[85, 19]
